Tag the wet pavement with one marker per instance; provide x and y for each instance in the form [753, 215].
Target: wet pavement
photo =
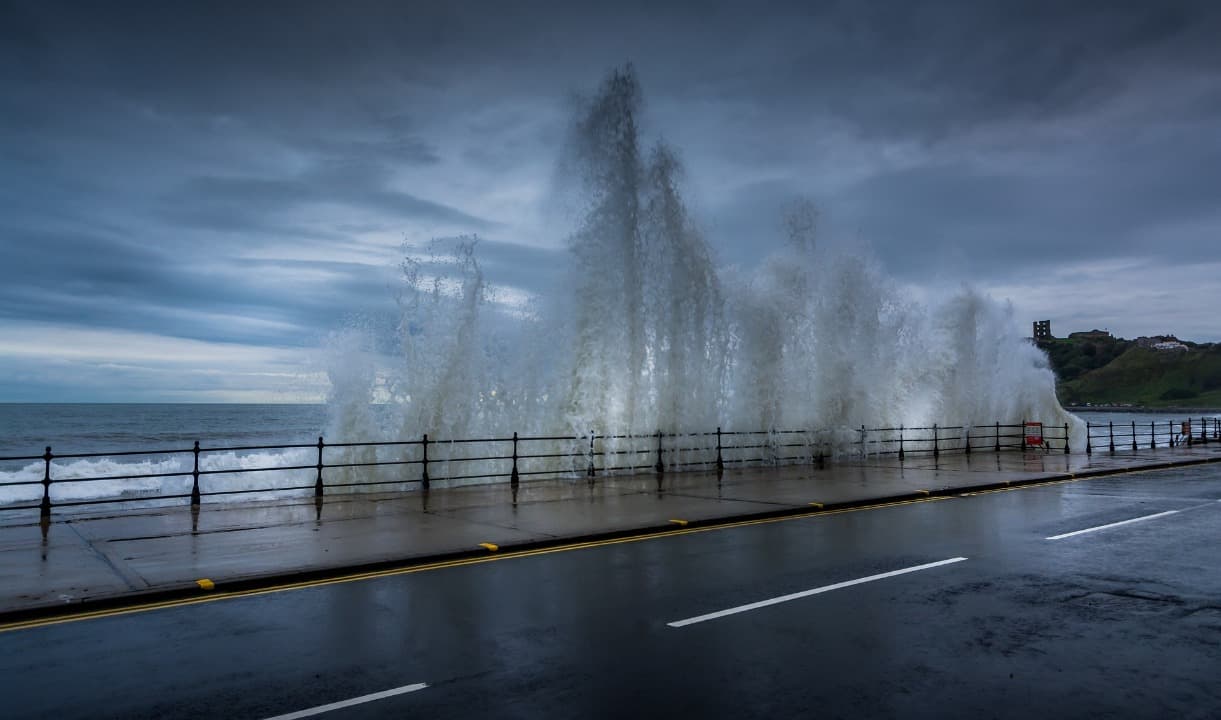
[1094, 598]
[114, 554]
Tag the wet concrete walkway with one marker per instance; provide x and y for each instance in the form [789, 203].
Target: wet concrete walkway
[80, 560]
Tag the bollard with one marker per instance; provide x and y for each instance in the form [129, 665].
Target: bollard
[514, 478]
[318, 481]
[424, 475]
[661, 465]
[44, 509]
[195, 478]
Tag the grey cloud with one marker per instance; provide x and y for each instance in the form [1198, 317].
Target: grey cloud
[1004, 221]
[229, 203]
[99, 280]
[889, 69]
[928, 70]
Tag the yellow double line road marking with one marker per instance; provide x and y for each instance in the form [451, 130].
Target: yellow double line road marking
[219, 594]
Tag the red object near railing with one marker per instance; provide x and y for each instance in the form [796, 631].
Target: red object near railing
[1034, 434]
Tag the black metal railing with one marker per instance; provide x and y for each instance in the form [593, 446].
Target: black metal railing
[1134, 435]
[321, 468]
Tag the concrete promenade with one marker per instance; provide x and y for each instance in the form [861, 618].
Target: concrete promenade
[117, 556]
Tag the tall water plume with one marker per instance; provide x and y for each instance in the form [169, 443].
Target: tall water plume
[649, 329]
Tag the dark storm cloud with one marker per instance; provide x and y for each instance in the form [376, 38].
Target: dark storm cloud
[222, 160]
[1114, 206]
[933, 68]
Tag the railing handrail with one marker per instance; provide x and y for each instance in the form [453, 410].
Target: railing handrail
[662, 449]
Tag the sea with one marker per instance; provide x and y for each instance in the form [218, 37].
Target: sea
[27, 429]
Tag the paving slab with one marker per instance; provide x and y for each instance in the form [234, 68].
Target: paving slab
[107, 553]
[316, 545]
[56, 568]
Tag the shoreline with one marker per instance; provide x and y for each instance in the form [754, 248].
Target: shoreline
[1141, 409]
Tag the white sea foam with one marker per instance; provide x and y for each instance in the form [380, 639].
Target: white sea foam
[68, 486]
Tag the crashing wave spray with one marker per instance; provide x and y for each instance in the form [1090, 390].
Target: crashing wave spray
[650, 336]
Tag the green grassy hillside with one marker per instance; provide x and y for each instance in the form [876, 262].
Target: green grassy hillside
[1072, 358]
[1135, 375]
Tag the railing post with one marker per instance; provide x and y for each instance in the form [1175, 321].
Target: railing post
[901, 442]
[864, 434]
[966, 439]
[661, 465]
[1203, 430]
[1111, 430]
[318, 481]
[424, 475]
[997, 436]
[1152, 436]
[936, 449]
[514, 478]
[1089, 438]
[44, 509]
[720, 462]
[1065, 438]
[1022, 436]
[1134, 435]
[590, 470]
[1170, 432]
[195, 477]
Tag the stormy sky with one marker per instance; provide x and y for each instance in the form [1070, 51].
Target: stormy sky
[193, 195]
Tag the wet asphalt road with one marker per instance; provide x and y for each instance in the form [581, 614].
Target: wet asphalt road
[1119, 622]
